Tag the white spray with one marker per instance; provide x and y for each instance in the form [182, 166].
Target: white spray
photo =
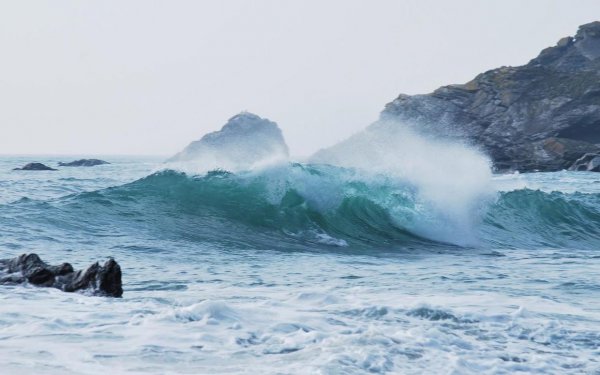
[452, 180]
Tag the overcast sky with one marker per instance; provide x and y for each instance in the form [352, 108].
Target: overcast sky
[148, 77]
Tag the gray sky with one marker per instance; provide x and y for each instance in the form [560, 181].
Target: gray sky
[148, 77]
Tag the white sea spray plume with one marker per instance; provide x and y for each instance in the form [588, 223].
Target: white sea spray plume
[451, 179]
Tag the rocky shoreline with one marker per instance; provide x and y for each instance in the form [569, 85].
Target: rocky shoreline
[542, 116]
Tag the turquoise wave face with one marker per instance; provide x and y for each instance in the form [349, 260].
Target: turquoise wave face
[292, 207]
[317, 206]
[532, 218]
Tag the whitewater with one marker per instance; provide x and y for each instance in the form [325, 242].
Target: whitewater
[307, 267]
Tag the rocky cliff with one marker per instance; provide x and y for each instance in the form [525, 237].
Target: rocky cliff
[541, 116]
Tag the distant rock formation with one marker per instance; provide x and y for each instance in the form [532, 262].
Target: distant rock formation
[35, 167]
[246, 140]
[99, 280]
[84, 163]
[541, 116]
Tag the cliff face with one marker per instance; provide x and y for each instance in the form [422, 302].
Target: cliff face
[540, 116]
[245, 141]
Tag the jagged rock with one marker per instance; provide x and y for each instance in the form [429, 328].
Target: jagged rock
[246, 140]
[35, 167]
[84, 163]
[587, 163]
[100, 280]
[540, 116]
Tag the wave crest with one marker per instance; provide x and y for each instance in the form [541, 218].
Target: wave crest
[316, 204]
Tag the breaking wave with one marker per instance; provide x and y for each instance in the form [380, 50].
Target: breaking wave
[304, 206]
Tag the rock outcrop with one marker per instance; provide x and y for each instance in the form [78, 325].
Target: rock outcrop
[587, 163]
[99, 280]
[246, 140]
[35, 167]
[541, 116]
[84, 163]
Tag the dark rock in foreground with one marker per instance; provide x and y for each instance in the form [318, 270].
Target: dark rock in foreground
[35, 167]
[84, 163]
[541, 116]
[100, 280]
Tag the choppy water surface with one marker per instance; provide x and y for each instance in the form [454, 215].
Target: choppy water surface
[301, 269]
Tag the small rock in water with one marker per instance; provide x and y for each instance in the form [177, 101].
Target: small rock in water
[35, 167]
[100, 280]
[84, 163]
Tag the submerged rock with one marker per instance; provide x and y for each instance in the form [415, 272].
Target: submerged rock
[100, 280]
[35, 167]
[541, 116]
[84, 163]
[246, 140]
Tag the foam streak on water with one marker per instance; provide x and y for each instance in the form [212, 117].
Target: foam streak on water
[279, 271]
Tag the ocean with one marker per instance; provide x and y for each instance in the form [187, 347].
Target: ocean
[302, 268]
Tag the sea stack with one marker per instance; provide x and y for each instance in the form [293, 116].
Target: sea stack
[246, 140]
